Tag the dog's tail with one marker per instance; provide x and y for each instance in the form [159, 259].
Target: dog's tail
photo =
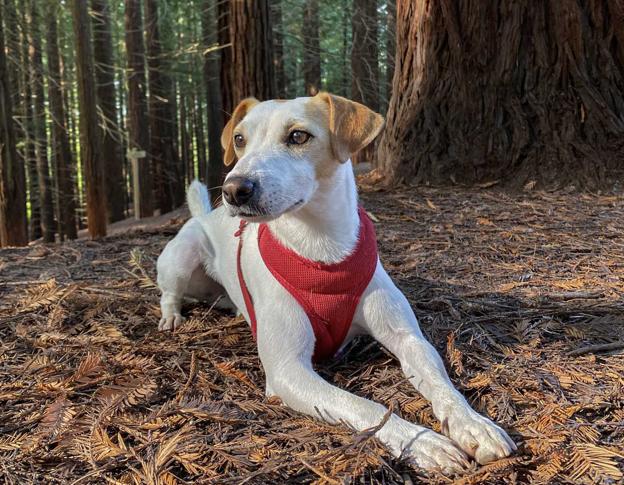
[198, 199]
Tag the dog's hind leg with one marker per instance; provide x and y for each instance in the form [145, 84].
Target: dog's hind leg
[388, 317]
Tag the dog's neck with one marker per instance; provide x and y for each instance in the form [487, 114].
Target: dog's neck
[326, 228]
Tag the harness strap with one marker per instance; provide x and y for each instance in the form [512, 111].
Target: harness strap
[243, 286]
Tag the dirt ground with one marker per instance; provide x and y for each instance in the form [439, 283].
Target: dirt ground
[523, 296]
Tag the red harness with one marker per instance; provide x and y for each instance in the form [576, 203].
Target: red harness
[329, 293]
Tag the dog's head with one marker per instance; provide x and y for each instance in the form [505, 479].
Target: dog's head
[284, 150]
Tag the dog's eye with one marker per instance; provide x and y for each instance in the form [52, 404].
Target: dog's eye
[298, 137]
[239, 141]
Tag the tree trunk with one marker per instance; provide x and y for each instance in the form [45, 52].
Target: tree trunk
[185, 142]
[311, 48]
[345, 85]
[61, 152]
[179, 189]
[365, 64]
[160, 93]
[48, 228]
[28, 132]
[364, 54]
[13, 230]
[390, 49]
[506, 91]
[214, 167]
[138, 123]
[248, 62]
[89, 132]
[200, 140]
[278, 48]
[105, 78]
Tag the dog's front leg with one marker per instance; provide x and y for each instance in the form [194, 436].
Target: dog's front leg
[285, 345]
[389, 318]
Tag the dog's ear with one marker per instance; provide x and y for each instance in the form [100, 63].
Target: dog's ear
[227, 137]
[352, 125]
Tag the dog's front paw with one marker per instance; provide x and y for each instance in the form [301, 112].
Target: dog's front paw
[479, 437]
[424, 448]
[170, 322]
[433, 452]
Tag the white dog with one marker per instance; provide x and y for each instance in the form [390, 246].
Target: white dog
[294, 188]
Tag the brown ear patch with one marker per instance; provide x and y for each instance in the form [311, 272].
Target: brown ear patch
[227, 141]
[352, 125]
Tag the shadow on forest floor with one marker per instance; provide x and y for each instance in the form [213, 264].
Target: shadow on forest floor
[522, 296]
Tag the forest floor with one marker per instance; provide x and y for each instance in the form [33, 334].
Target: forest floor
[522, 295]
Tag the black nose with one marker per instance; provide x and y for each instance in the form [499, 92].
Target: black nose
[238, 190]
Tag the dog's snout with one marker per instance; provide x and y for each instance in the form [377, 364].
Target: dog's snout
[238, 190]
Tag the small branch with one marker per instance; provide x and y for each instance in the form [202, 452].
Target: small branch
[597, 348]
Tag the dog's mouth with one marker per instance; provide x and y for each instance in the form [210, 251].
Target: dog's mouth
[257, 214]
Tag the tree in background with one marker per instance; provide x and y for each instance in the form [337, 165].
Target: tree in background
[278, 48]
[13, 225]
[48, 226]
[89, 131]
[365, 64]
[61, 151]
[163, 147]
[505, 91]
[246, 65]
[138, 123]
[364, 54]
[107, 102]
[311, 48]
[26, 118]
[212, 81]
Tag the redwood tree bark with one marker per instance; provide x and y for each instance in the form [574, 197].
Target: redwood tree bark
[365, 64]
[364, 54]
[311, 48]
[507, 91]
[247, 65]
[163, 148]
[138, 123]
[28, 126]
[278, 48]
[13, 230]
[212, 80]
[48, 227]
[105, 77]
[61, 152]
[390, 50]
[89, 132]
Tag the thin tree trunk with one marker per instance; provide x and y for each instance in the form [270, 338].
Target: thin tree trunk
[160, 94]
[390, 49]
[138, 123]
[346, 65]
[365, 64]
[179, 188]
[364, 54]
[212, 81]
[278, 47]
[504, 91]
[248, 63]
[13, 230]
[105, 78]
[39, 123]
[185, 141]
[200, 140]
[61, 152]
[311, 48]
[89, 130]
[27, 122]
